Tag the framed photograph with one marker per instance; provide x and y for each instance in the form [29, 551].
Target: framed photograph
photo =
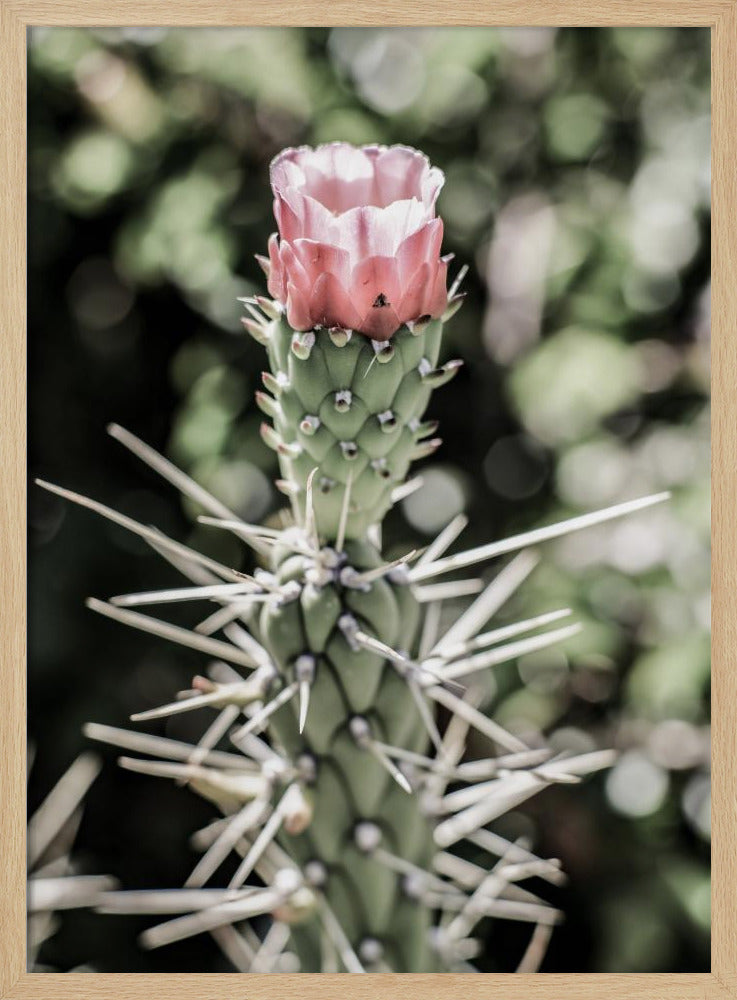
[364, 439]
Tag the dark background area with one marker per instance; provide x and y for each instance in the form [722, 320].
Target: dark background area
[577, 191]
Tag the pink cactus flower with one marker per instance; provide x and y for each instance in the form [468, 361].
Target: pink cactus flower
[359, 242]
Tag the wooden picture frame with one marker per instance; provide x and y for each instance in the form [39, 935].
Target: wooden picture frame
[16, 16]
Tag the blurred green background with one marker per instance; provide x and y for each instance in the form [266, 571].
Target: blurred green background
[577, 166]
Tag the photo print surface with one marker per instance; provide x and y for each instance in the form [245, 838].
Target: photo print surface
[369, 548]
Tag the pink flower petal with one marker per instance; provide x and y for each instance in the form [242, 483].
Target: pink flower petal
[399, 173]
[379, 324]
[437, 294]
[298, 311]
[377, 232]
[287, 219]
[422, 245]
[330, 305]
[316, 258]
[412, 303]
[295, 273]
[277, 280]
[374, 285]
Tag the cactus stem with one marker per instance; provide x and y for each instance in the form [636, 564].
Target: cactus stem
[258, 719]
[343, 522]
[250, 789]
[349, 449]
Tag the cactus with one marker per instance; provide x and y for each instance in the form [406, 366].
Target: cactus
[346, 816]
